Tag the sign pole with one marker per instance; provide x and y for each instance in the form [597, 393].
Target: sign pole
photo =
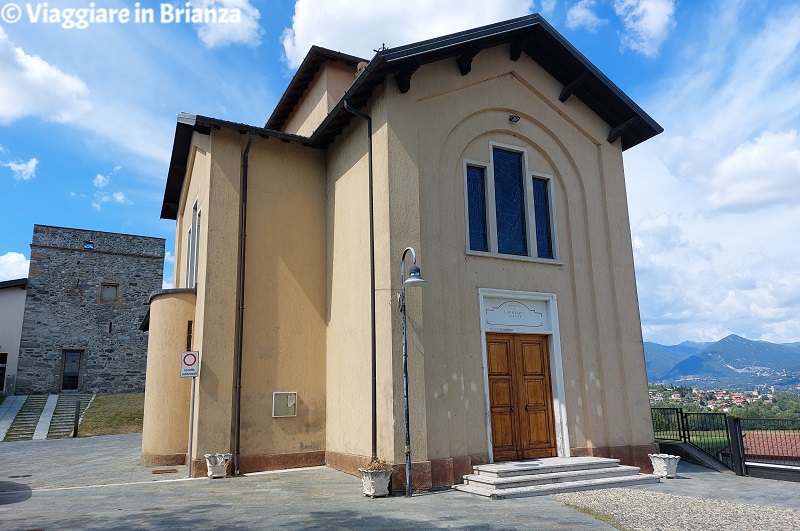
[190, 368]
[191, 425]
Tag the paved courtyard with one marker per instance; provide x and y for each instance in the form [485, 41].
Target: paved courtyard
[98, 483]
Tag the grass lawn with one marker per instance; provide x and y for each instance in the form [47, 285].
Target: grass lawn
[710, 443]
[113, 414]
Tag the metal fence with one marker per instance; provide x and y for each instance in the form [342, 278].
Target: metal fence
[668, 423]
[771, 441]
[709, 433]
[732, 441]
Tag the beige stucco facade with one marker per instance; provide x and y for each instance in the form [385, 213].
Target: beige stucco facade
[307, 312]
[12, 310]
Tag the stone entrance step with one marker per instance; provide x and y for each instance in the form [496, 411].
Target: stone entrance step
[538, 477]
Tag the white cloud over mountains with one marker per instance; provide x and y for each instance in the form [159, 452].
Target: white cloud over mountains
[714, 199]
[760, 173]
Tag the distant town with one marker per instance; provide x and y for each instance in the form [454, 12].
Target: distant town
[755, 403]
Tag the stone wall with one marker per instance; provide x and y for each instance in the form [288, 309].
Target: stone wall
[65, 310]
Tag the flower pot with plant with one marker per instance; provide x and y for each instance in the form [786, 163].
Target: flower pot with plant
[375, 478]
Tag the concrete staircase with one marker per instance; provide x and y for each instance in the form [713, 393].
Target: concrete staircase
[64, 415]
[538, 477]
[25, 422]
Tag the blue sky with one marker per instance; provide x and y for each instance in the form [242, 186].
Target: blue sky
[87, 118]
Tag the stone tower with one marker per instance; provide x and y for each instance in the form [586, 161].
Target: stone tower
[87, 294]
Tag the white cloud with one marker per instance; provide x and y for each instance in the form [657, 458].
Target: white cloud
[582, 15]
[548, 7]
[243, 27]
[23, 171]
[30, 86]
[13, 266]
[101, 181]
[760, 173]
[358, 27]
[647, 23]
[109, 197]
[169, 257]
[713, 200]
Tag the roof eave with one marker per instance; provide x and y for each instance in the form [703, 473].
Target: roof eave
[15, 283]
[305, 73]
[608, 101]
[186, 126]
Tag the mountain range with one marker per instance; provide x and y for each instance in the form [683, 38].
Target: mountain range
[731, 362]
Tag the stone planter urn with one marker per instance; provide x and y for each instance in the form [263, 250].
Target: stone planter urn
[217, 465]
[376, 482]
[664, 465]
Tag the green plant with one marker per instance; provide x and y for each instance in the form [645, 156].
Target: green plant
[376, 464]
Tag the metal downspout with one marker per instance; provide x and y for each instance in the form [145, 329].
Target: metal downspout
[371, 280]
[237, 404]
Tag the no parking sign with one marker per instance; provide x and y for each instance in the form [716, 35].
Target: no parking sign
[190, 364]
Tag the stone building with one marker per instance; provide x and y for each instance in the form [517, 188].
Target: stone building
[87, 294]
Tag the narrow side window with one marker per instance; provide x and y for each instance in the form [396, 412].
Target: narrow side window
[541, 209]
[476, 208]
[194, 249]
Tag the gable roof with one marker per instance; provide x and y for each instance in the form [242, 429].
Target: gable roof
[531, 35]
[306, 72]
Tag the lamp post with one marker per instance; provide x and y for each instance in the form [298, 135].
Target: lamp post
[414, 278]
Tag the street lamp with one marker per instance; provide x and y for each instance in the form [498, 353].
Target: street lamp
[414, 279]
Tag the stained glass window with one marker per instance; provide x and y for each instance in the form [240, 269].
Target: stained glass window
[541, 209]
[476, 208]
[509, 203]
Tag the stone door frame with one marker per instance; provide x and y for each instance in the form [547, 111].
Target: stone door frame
[547, 303]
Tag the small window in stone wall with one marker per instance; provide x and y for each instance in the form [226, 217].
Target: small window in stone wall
[89, 246]
[108, 292]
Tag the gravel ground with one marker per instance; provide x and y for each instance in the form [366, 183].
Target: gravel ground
[632, 509]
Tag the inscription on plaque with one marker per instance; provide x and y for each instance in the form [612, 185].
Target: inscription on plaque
[513, 314]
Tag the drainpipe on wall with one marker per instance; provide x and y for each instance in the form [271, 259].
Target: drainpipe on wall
[371, 279]
[237, 402]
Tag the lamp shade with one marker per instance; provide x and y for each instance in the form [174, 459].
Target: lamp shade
[414, 276]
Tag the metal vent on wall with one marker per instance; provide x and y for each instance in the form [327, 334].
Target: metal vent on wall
[284, 404]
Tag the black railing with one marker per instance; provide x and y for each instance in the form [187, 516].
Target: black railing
[771, 441]
[709, 433]
[668, 423]
[731, 440]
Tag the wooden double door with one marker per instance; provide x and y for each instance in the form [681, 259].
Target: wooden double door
[520, 396]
